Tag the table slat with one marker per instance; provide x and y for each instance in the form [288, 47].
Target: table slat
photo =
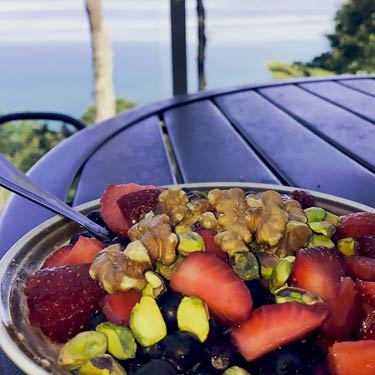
[302, 157]
[366, 85]
[350, 133]
[137, 154]
[209, 149]
[355, 101]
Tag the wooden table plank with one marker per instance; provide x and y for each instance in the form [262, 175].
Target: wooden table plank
[353, 100]
[352, 134]
[365, 85]
[301, 156]
[137, 154]
[208, 149]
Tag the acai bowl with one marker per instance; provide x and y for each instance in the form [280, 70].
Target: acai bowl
[219, 340]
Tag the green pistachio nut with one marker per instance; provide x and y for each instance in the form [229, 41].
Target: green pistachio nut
[245, 265]
[192, 316]
[155, 285]
[315, 214]
[81, 348]
[348, 246]
[332, 218]
[267, 262]
[189, 242]
[291, 294]
[320, 240]
[121, 342]
[323, 227]
[235, 370]
[167, 271]
[102, 365]
[280, 275]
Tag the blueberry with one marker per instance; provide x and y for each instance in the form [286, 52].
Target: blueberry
[221, 355]
[157, 366]
[97, 319]
[260, 294]
[96, 217]
[168, 304]
[146, 353]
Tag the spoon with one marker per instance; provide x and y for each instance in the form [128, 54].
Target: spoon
[15, 180]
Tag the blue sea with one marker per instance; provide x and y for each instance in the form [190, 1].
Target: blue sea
[45, 53]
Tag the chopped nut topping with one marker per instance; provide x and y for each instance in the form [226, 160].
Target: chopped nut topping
[156, 235]
[208, 220]
[173, 202]
[295, 211]
[230, 242]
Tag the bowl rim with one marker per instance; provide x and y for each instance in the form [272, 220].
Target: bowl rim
[25, 363]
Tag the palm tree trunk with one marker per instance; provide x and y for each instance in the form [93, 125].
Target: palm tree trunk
[201, 45]
[105, 101]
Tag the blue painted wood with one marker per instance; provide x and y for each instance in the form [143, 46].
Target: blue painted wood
[208, 149]
[302, 157]
[361, 104]
[136, 154]
[347, 131]
[364, 85]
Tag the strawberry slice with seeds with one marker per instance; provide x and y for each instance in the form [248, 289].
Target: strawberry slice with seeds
[211, 246]
[366, 290]
[359, 267]
[206, 276]
[271, 326]
[117, 307]
[134, 205]
[110, 210]
[84, 251]
[318, 270]
[356, 225]
[344, 312]
[352, 358]
[62, 300]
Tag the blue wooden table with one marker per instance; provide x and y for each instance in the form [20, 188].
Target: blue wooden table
[316, 134]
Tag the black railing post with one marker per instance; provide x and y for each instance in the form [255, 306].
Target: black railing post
[178, 40]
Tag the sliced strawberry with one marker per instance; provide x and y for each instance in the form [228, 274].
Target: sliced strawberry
[134, 205]
[84, 251]
[271, 326]
[344, 312]
[367, 327]
[62, 300]
[110, 210]
[206, 276]
[211, 246]
[358, 267]
[352, 358]
[318, 270]
[366, 291]
[117, 307]
[356, 225]
[58, 257]
[367, 246]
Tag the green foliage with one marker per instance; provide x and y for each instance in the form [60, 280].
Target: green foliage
[282, 70]
[352, 45]
[88, 117]
[24, 142]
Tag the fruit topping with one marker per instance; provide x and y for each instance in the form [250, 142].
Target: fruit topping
[117, 307]
[350, 358]
[318, 270]
[221, 355]
[366, 290]
[57, 258]
[147, 323]
[304, 197]
[111, 212]
[121, 343]
[259, 293]
[81, 348]
[62, 300]
[360, 267]
[367, 326]
[356, 225]
[271, 326]
[102, 365]
[199, 325]
[210, 245]
[168, 304]
[214, 281]
[157, 366]
[367, 246]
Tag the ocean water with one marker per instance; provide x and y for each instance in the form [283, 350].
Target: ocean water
[45, 56]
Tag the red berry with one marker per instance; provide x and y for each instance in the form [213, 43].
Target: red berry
[204, 275]
[366, 290]
[211, 246]
[367, 246]
[304, 197]
[62, 300]
[356, 225]
[117, 307]
[318, 270]
[352, 358]
[57, 258]
[358, 267]
[367, 326]
[271, 326]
